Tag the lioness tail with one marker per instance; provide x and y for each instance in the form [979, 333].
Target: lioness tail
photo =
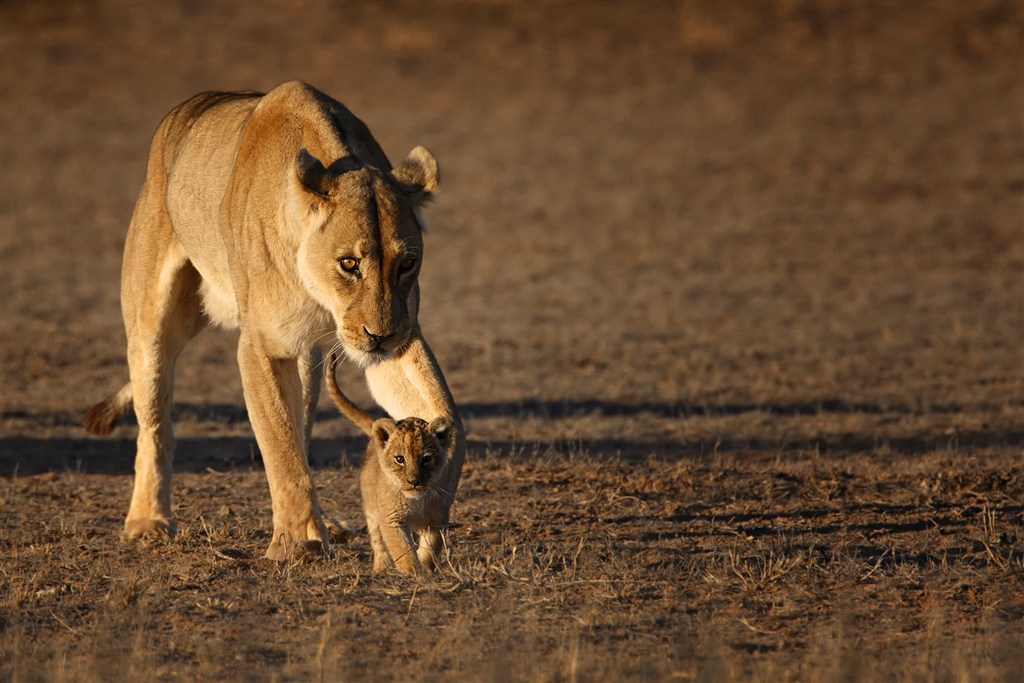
[102, 417]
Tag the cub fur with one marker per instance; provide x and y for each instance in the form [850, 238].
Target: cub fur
[280, 215]
[401, 484]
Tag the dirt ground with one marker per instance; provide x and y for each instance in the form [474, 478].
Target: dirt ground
[730, 294]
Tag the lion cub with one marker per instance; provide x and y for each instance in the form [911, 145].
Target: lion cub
[400, 484]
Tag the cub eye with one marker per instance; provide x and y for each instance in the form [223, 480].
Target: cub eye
[349, 264]
[400, 459]
[407, 264]
[426, 460]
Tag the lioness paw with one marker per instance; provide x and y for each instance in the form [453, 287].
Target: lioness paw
[159, 528]
[285, 546]
[337, 531]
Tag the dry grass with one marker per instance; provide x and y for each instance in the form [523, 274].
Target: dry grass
[729, 295]
[596, 568]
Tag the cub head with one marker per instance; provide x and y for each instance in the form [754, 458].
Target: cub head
[362, 246]
[412, 452]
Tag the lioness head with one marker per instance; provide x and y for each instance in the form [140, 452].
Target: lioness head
[411, 452]
[362, 246]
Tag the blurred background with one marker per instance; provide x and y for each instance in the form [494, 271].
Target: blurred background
[649, 210]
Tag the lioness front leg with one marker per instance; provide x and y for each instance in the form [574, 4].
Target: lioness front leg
[411, 385]
[274, 399]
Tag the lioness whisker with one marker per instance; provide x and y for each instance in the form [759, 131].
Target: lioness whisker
[334, 350]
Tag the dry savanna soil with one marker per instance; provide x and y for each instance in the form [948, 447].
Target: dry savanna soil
[730, 294]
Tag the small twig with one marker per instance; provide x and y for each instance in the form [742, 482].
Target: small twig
[579, 549]
[230, 554]
[877, 565]
[743, 620]
[989, 532]
[412, 599]
[206, 529]
[995, 558]
[448, 555]
[454, 587]
[353, 584]
[62, 622]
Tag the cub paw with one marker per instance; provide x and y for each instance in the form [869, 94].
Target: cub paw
[408, 563]
[159, 528]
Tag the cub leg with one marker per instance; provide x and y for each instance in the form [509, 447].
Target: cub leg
[429, 551]
[274, 398]
[162, 311]
[381, 559]
[401, 547]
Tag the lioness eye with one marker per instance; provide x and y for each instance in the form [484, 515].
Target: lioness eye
[426, 460]
[348, 264]
[400, 459]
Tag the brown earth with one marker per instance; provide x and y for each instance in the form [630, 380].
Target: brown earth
[731, 296]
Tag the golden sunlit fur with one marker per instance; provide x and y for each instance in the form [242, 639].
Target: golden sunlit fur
[402, 484]
[280, 215]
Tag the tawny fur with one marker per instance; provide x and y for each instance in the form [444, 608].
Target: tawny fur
[103, 417]
[251, 208]
[357, 415]
[401, 483]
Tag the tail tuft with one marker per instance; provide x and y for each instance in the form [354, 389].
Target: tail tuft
[103, 417]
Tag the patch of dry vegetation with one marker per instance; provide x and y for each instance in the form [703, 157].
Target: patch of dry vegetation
[561, 566]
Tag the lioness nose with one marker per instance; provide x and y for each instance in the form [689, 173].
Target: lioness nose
[377, 339]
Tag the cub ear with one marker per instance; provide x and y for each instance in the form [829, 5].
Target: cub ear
[418, 175]
[441, 428]
[382, 430]
[311, 173]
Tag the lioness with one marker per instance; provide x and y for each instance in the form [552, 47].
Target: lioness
[402, 482]
[280, 215]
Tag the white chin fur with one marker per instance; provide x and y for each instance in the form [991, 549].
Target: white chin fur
[362, 358]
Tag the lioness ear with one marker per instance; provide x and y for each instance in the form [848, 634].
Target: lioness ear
[311, 173]
[442, 428]
[418, 175]
[382, 429]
